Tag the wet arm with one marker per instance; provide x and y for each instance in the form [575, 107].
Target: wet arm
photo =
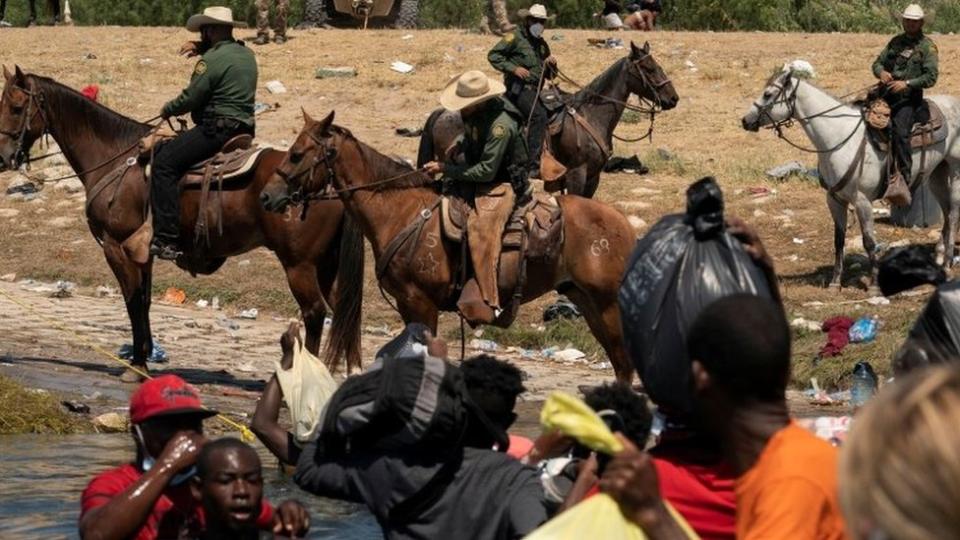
[126, 512]
[266, 427]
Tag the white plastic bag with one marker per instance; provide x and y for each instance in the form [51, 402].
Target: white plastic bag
[307, 387]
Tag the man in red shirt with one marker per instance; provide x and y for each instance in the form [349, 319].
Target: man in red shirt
[150, 498]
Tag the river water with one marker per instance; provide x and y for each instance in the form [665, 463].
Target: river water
[41, 478]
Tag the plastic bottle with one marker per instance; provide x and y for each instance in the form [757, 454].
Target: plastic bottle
[864, 384]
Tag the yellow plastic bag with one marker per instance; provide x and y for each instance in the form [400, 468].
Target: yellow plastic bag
[307, 387]
[599, 516]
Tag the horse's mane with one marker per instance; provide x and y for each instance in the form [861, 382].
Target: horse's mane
[600, 83]
[80, 112]
[384, 166]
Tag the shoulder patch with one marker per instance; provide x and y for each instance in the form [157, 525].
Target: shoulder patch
[498, 131]
[201, 68]
[508, 38]
[933, 47]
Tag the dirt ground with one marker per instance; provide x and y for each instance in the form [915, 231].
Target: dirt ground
[716, 75]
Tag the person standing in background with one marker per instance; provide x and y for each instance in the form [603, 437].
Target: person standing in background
[279, 22]
[54, 11]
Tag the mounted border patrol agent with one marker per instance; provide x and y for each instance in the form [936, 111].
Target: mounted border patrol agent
[492, 175]
[220, 100]
[907, 66]
[524, 59]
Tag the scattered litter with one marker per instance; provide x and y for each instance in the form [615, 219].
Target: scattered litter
[24, 189]
[666, 154]
[760, 191]
[556, 37]
[606, 43]
[90, 56]
[103, 291]
[629, 165]
[838, 336]
[601, 366]
[93, 397]
[791, 168]
[864, 330]
[174, 296]
[569, 355]
[251, 314]
[64, 289]
[146, 61]
[878, 301]
[158, 356]
[885, 212]
[409, 132]
[401, 67]
[245, 262]
[798, 240]
[261, 107]
[485, 345]
[8, 277]
[382, 330]
[636, 222]
[246, 368]
[864, 384]
[201, 303]
[832, 429]
[110, 422]
[562, 309]
[215, 303]
[549, 352]
[334, 72]
[76, 407]
[804, 324]
[407, 36]
[276, 87]
[229, 324]
[690, 64]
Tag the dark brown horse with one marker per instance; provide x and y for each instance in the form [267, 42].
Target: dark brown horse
[601, 103]
[100, 144]
[386, 196]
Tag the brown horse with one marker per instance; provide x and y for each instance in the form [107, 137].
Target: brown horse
[601, 104]
[100, 144]
[386, 196]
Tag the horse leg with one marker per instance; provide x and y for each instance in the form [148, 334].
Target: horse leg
[304, 285]
[417, 307]
[603, 317]
[134, 283]
[940, 184]
[952, 217]
[865, 217]
[838, 209]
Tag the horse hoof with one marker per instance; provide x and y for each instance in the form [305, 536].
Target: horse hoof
[873, 291]
[833, 286]
[131, 376]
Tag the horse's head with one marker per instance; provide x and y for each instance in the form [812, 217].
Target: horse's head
[648, 80]
[21, 118]
[308, 167]
[777, 104]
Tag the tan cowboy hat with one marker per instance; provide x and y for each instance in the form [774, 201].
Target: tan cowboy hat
[536, 11]
[469, 89]
[913, 13]
[215, 15]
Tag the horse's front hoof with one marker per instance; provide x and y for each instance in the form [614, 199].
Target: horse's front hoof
[135, 377]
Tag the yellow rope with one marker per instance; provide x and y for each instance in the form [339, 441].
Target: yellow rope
[245, 432]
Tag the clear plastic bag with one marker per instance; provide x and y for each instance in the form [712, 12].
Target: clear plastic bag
[307, 387]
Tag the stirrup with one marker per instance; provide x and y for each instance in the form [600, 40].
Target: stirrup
[167, 252]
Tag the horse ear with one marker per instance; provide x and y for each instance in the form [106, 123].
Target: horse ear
[6, 73]
[19, 73]
[327, 122]
[646, 47]
[634, 50]
[307, 119]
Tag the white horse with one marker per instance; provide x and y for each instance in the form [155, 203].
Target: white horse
[837, 131]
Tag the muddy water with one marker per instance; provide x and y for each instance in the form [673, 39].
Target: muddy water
[41, 478]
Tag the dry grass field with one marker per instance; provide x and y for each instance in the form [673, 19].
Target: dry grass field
[716, 75]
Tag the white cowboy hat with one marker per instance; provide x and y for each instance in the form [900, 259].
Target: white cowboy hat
[216, 15]
[536, 11]
[913, 13]
[469, 89]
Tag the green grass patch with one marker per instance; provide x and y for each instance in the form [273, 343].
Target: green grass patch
[28, 410]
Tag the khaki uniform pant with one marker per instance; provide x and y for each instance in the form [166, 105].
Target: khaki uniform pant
[279, 19]
[493, 204]
[495, 16]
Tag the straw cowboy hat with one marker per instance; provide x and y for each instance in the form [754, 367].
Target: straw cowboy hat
[536, 11]
[216, 15]
[469, 89]
[913, 13]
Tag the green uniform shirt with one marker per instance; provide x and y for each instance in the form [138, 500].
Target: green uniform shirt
[491, 142]
[223, 85]
[520, 49]
[910, 59]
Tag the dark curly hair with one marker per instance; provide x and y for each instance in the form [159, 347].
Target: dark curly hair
[485, 373]
[632, 407]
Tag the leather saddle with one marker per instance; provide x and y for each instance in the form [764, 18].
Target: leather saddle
[923, 134]
[237, 157]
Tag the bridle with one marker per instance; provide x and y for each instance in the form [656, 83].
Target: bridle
[34, 108]
[790, 101]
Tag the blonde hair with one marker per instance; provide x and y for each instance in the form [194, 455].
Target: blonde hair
[900, 466]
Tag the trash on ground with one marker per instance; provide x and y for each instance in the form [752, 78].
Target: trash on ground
[401, 67]
[562, 309]
[665, 154]
[201, 303]
[382, 330]
[174, 296]
[105, 292]
[276, 87]
[215, 303]
[76, 407]
[24, 189]
[569, 355]
[885, 212]
[838, 335]
[864, 330]
[334, 72]
[629, 165]
[229, 324]
[261, 107]
[798, 240]
[8, 277]
[90, 56]
[110, 422]
[832, 429]
[407, 36]
[864, 384]
[485, 345]
[804, 324]
[601, 366]
[556, 37]
[791, 168]
[251, 314]
[409, 132]
[158, 356]
[878, 301]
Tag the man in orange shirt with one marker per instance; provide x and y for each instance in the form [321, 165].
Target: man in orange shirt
[786, 478]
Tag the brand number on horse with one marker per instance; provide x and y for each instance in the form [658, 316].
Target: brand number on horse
[600, 247]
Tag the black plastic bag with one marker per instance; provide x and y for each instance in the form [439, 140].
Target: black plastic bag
[935, 337]
[684, 263]
[907, 267]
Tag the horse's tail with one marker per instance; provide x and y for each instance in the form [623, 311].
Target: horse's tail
[344, 338]
[427, 150]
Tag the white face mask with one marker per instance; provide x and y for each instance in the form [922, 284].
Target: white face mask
[149, 461]
[536, 29]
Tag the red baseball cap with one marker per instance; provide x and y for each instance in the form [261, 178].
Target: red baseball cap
[164, 396]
